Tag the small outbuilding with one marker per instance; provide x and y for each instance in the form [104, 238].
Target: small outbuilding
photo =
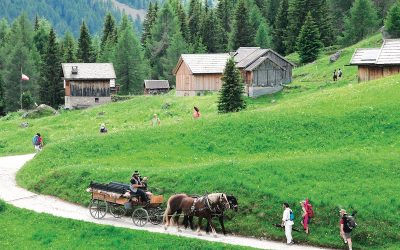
[87, 84]
[199, 73]
[375, 63]
[156, 87]
[263, 70]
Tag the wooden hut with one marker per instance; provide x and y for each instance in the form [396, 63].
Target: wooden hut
[199, 73]
[376, 63]
[87, 84]
[264, 71]
[156, 87]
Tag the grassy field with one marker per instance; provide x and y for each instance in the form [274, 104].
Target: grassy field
[337, 144]
[49, 232]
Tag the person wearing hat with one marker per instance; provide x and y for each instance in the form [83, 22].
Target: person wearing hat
[155, 121]
[136, 184]
[344, 230]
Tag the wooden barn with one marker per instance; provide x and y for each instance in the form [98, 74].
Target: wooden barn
[377, 62]
[156, 87]
[198, 73]
[263, 71]
[87, 84]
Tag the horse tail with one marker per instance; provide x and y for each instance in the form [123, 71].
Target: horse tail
[167, 210]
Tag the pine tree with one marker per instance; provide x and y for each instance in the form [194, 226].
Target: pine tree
[224, 21]
[42, 29]
[85, 49]
[272, 7]
[130, 65]
[263, 38]
[361, 22]
[324, 20]
[279, 34]
[231, 94]
[174, 51]
[194, 19]
[297, 12]
[240, 36]
[165, 27]
[51, 88]
[19, 52]
[255, 20]
[211, 33]
[308, 42]
[149, 22]
[108, 30]
[69, 48]
[2, 101]
[392, 23]
[183, 21]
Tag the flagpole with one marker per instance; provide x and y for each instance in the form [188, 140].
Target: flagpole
[20, 87]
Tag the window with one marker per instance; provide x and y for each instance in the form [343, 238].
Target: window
[96, 100]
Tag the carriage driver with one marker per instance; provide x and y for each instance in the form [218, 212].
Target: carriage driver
[136, 184]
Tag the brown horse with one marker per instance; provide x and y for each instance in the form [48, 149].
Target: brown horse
[202, 207]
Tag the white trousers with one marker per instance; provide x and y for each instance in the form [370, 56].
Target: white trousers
[288, 233]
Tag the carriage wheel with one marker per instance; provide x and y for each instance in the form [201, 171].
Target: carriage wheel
[156, 216]
[140, 217]
[98, 209]
[117, 210]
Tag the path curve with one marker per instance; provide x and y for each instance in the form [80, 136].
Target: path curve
[22, 198]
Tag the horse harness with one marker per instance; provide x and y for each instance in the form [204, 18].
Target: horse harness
[207, 206]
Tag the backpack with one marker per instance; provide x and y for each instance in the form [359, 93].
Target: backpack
[310, 211]
[291, 217]
[35, 140]
[350, 222]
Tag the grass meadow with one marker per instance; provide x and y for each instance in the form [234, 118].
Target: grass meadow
[52, 232]
[337, 144]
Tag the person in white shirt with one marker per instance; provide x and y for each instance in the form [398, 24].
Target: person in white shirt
[287, 223]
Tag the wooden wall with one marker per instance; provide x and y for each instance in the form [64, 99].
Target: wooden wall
[99, 88]
[268, 74]
[372, 72]
[186, 81]
[284, 64]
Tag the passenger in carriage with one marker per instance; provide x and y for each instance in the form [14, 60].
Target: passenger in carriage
[144, 188]
[136, 186]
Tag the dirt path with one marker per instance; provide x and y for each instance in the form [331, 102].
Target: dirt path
[19, 197]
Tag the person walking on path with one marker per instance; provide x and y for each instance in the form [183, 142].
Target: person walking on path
[287, 222]
[155, 121]
[334, 75]
[305, 218]
[196, 112]
[37, 142]
[345, 231]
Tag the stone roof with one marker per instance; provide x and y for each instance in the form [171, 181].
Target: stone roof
[156, 84]
[204, 63]
[88, 71]
[246, 56]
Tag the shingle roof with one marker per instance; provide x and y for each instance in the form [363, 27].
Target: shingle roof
[365, 56]
[251, 58]
[390, 52]
[259, 61]
[156, 84]
[89, 71]
[243, 52]
[205, 63]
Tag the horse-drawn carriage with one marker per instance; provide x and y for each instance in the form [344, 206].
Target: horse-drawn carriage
[113, 198]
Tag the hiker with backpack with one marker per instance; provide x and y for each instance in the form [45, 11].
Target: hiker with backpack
[307, 214]
[37, 142]
[347, 224]
[287, 222]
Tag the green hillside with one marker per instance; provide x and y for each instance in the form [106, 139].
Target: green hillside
[334, 143]
[44, 235]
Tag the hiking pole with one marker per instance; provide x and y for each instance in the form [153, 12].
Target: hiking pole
[280, 226]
